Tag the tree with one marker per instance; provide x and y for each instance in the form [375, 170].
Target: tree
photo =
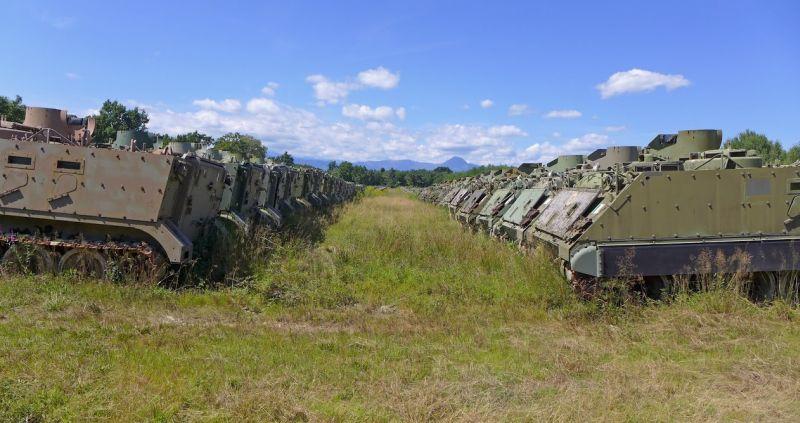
[113, 117]
[285, 158]
[196, 138]
[793, 154]
[394, 178]
[442, 169]
[770, 151]
[344, 171]
[245, 145]
[12, 110]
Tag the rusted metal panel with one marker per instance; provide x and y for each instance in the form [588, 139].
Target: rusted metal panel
[565, 209]
[449, 196]
[495, 202]
[472, 201]
[459, 197]
[522, 207]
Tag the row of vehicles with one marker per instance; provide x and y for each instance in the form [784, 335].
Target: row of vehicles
[67, 204]
[681, 205]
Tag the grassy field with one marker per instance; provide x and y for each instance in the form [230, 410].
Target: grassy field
[398, 314]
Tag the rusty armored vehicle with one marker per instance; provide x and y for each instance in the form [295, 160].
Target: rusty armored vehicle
[564, 171]
[482, 202]
[65, 204]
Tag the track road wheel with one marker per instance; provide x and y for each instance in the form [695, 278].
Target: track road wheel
[86, 263]
[28, 259]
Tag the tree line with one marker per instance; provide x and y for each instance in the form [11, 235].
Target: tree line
[770, 150]
[114, 116]
[395, 178]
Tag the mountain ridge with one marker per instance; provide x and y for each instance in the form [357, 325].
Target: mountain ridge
[455, 163]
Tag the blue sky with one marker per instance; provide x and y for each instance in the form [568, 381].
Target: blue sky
[376, 80]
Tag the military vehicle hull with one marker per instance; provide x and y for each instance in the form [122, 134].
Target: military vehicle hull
[60, 195]
[746, 220]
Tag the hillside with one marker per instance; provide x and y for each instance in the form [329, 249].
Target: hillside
[398, 314]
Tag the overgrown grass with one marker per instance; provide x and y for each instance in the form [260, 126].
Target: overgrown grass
[398, 314]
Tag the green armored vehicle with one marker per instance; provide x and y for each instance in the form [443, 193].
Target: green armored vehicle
[687, 208]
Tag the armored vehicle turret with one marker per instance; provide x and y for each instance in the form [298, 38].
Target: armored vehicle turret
[565, 162]
[134, 141]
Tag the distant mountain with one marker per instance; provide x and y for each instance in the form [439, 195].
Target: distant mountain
[456, 164]
[318, 163]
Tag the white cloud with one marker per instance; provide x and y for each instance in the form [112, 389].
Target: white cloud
[329, 92]
[556, 134]
[262, 105]
[363, 112]
[379, 77]
[563, 114]
[72, 76]
[519, 110]
[375, 134]
[586, 143]
[298, 131]
[639, 80]
[269, 89]
[228, 105]
[475, 143]
[505, 131]
[545, 151]
[615, 128]
[332, 92]
[541, 152]
[487, 103]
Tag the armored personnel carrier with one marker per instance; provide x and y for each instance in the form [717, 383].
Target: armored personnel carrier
[65, 204]
[662, 215]
[679, 206]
